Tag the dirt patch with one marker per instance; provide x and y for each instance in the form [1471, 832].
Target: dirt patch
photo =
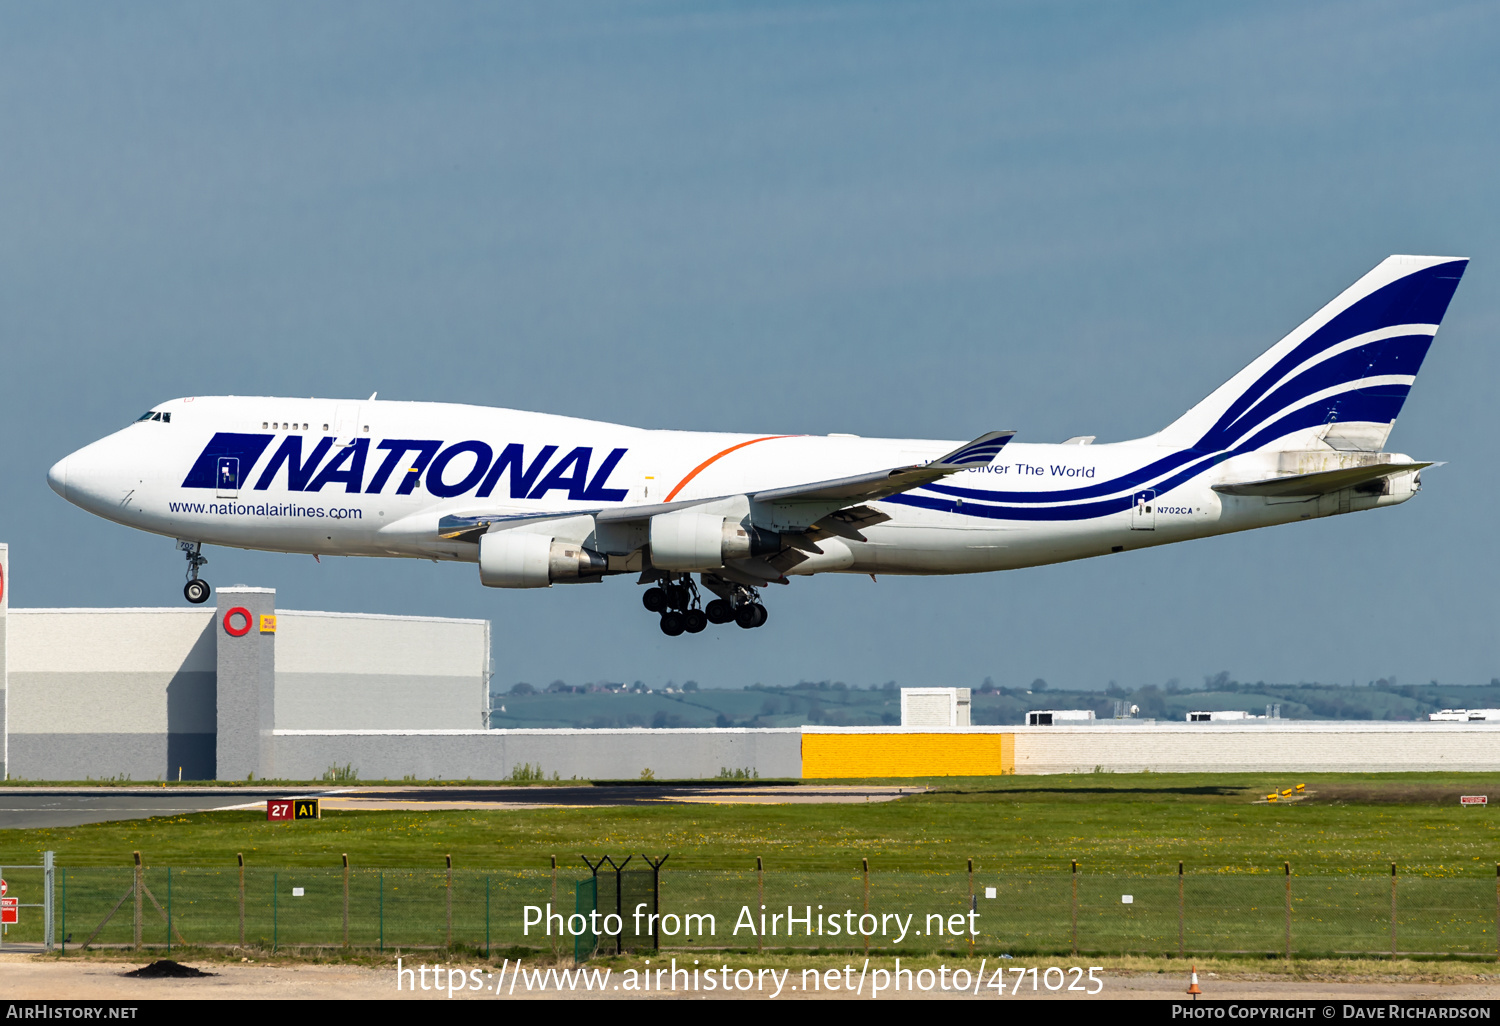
[166, 969]
[1388, 794]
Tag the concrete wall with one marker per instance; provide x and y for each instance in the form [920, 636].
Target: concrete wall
[246, 683]
[1284, 746]
[4, 621]
[110, 692]
[585, 754]
[1289, 746]
[348, 671]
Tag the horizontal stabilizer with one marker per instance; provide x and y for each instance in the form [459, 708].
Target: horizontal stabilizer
[1320, 483]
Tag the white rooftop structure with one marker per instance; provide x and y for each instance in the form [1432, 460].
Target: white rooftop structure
[934, 707]
[1050, 717]
[1465, 715]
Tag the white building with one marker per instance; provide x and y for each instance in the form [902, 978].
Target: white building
[934, 707]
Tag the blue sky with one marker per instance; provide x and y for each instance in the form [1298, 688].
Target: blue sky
[922, 219]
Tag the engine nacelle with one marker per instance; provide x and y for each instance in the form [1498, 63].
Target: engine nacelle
[688, 540]
[512, 559]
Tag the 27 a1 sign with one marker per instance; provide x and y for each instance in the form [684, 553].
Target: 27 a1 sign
[294, 808]
[1473, 799]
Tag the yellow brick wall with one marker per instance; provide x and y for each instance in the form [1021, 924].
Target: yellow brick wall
[900, 754]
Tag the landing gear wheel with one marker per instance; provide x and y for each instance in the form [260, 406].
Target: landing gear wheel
[694, 620]
[746, 616]
[196, 591]
[760, 614]
[718, 611]
[654, 599]
[672, 624]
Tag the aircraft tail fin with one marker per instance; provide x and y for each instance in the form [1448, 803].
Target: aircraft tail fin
[1338, 380]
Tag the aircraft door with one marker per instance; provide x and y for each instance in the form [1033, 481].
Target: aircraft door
[346, 423]
[1143, 515]
[228, 477]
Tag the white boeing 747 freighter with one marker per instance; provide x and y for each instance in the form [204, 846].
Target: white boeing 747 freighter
[537, 500]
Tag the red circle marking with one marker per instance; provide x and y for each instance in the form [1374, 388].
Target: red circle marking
[230, 629]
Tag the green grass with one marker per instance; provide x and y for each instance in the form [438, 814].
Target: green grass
[1127, 831]
[1112, 823]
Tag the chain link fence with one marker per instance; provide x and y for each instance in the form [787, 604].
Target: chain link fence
[580, 913]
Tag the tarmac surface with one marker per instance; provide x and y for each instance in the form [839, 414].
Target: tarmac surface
[30, 808]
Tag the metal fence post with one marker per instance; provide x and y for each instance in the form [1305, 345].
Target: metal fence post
[1181, 913]
[760, 897]
[448, 943]
[346, 899]
[139, 882]
[1075, 906]
[275, 921]
[241, 857]
[1393, 910]
[48, 933]
[1288, 867]
[486, 917]
[550, 942]
[63, 928]
[867, 901]
[382, 910]
[169, 910]
[1497, 911]
[973, 906]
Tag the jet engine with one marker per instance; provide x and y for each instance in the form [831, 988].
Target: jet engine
[511, 559]
[687, 540]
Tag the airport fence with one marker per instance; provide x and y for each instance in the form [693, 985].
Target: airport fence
[567, 912]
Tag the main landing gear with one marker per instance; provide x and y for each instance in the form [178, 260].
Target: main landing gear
[678, 602]
[195, 590]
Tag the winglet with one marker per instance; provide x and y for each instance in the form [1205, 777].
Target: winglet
[978, 453]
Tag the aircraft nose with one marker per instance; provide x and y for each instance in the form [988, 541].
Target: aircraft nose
[57, 477]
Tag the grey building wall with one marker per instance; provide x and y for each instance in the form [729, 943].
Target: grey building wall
[110, 693]
[358, 671]
[245, 684]
[585, 754]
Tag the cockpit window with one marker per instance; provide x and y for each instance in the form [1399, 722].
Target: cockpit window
[165, 418]
[145, 416]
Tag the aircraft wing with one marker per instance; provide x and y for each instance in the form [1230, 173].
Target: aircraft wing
[816, 500]
[1319, 483]
[870, 487]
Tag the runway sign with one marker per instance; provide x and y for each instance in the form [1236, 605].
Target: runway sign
[1474, 799]
[293, 808]
[10, 911]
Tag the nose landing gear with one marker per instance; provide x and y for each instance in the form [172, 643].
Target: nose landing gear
[195, 590]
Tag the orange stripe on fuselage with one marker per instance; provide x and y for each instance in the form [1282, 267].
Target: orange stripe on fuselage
[700, 468]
